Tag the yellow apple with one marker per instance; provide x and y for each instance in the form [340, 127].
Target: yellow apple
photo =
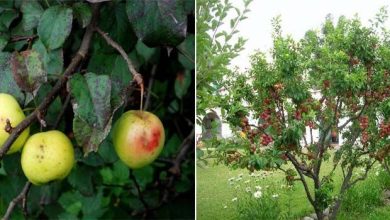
[138, 138]
[47, 156]
[10, 110]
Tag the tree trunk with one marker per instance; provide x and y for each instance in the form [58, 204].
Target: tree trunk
[319, 213]
[334, 210]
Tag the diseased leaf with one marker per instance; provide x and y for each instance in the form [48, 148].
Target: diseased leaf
[92, 108]
[55, 26]
[32, 12]
[182, 83]
[158, 23]
[83, 13]
[27, 69]
[7, 82]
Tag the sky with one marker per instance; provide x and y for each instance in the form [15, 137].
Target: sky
[297, 16]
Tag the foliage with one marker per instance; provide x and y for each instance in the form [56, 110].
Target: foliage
[217, 44]
[38, 42]
[332, 82]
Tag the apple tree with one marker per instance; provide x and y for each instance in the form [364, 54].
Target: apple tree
[333, 83]
[77, 67]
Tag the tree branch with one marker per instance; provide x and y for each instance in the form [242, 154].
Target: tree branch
[153, 73]
[22, 197]
[136, 76]
[303, 180]
[140, 195]
[42, 108]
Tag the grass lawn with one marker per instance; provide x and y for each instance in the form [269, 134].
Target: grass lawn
[215, 194]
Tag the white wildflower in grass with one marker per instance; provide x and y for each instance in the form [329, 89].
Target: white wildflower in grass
[247, 181]
[231, 183]
[225, 207]
[257, 194]
[376, 173]
[258, 188]
[275, 196]
[234, 199]
[231, 179]
[363, 169]
[252, 175]
[238, 179]
[248, 189]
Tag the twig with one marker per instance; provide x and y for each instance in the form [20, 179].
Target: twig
[22, 197]
[185, 147]
[21, 38]
[140, 195]
[50, 97]
[136, 76]
[153, 73]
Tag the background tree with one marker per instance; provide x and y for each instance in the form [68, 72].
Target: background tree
[76, 67]
[217, 44]
[334, 81]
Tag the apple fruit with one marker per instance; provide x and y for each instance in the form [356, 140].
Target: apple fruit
[47, 156]
[138, 138]
[10, 110]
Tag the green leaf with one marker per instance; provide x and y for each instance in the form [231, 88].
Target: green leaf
[81, 179]
[120, 172]
[187, 52]
[158, 23]
[83, 13]
[71, 202]
[144, 176]
[55, 26]
[32, 12]
[7, 82]
[117, 27]
[92, 108]
[107, 152]
[4, 37]
[27, 69]
[182, 83]
[7, 16]
[171, 146]
[146, 52]
[53, 60]
[92, 207]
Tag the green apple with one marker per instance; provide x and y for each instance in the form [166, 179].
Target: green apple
[10, 110]
[138, 138]
[47, 156]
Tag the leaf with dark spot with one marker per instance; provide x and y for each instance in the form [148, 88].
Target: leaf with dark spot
[93, 109]
[28, 71]
[158, 23]
[7, 82]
